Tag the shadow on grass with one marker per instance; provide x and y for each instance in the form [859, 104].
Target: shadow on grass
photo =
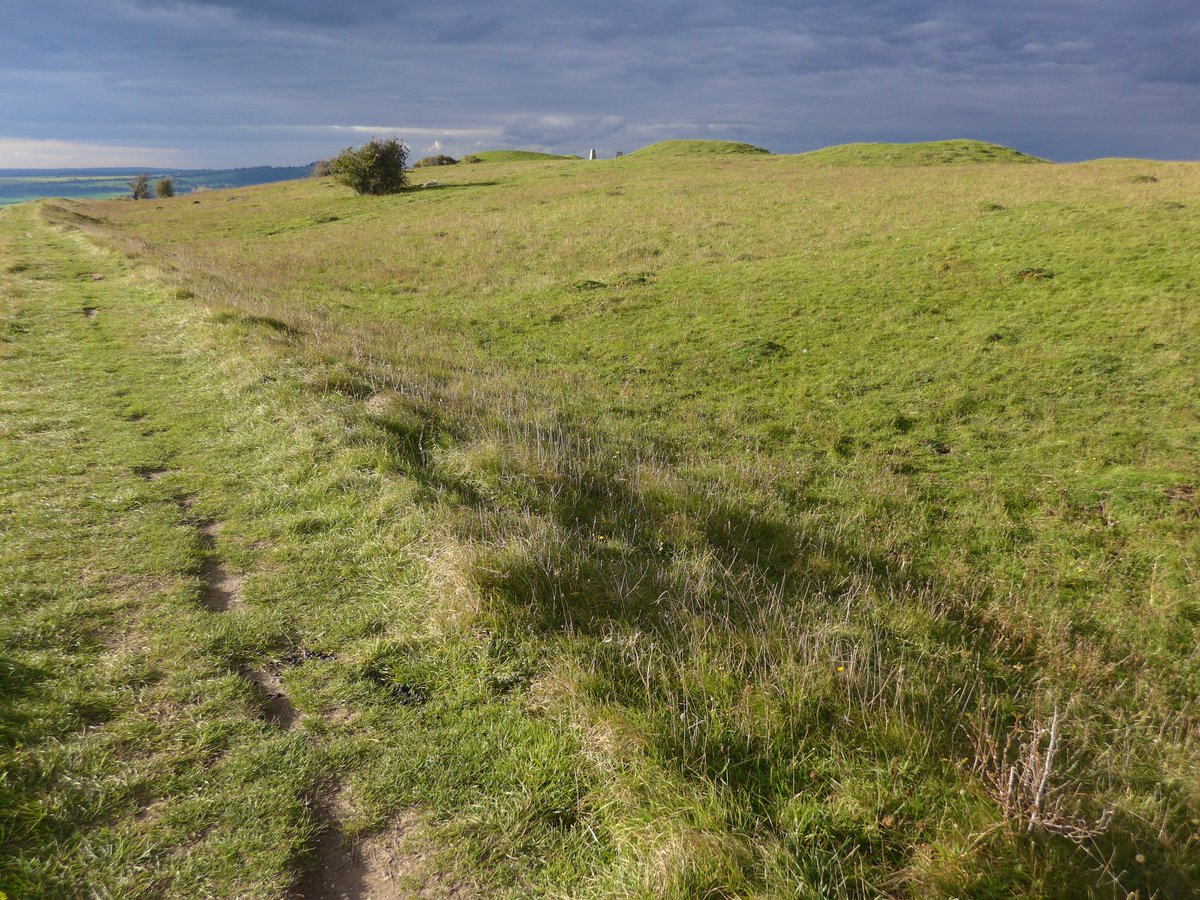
[420, 187]
[676, 596]
[18, 682]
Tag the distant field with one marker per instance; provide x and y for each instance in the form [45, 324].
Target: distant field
[702, 523]
[17, 186]
[20, 189]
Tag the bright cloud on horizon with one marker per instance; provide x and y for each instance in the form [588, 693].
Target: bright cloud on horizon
[28, 153]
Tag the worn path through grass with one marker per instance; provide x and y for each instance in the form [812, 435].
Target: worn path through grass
[187, 600]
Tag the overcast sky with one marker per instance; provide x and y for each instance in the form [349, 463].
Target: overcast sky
[246, 82]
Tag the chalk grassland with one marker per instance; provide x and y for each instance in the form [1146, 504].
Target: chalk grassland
[680, 526]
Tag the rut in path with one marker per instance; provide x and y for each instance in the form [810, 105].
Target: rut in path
[222, 588]
[277, 708]
[377, 867]
[223, 592]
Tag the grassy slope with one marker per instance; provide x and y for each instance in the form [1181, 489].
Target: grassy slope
[699, 148]
[928, 153]
[920, 446]
[499, 156]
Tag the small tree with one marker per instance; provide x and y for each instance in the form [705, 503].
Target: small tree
[165, 187]
[377, 167]
[140, 186]
[322, 168]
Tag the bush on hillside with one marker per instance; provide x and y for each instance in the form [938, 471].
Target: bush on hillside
[377, 167]
[139, 187]
[471, 158]
[322, 168]
[439, 160]
[165, 187]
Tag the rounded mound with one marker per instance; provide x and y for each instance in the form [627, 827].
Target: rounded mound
[927, 153]
[516, 156]
[700, 148]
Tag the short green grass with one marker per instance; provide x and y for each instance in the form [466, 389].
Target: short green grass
[679, 526]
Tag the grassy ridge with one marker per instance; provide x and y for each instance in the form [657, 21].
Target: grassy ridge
[499, 156]
[812, 505]
[928, 153]
[699, 148]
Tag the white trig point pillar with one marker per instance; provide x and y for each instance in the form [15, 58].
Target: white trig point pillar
[592, 154]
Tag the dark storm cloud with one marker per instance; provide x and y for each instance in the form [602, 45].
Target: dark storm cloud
[242, 81]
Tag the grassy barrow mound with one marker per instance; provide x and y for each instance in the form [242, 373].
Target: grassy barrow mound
[928, 153]
[699, 148]
[495, 156]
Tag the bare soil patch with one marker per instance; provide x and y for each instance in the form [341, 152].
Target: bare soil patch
[277, 708]
[385, 866]
[222, 588]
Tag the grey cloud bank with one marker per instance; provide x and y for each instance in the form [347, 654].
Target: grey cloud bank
[234, 82]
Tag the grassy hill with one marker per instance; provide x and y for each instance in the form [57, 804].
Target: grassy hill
[711, 526]
[495, 156]
[672, 149]
[928, 153]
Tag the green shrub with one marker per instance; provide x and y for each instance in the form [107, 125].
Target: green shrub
[471, 158]
[377, 167]
[139, 187]
[165, 187]
[439, 160]
[322, 168]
